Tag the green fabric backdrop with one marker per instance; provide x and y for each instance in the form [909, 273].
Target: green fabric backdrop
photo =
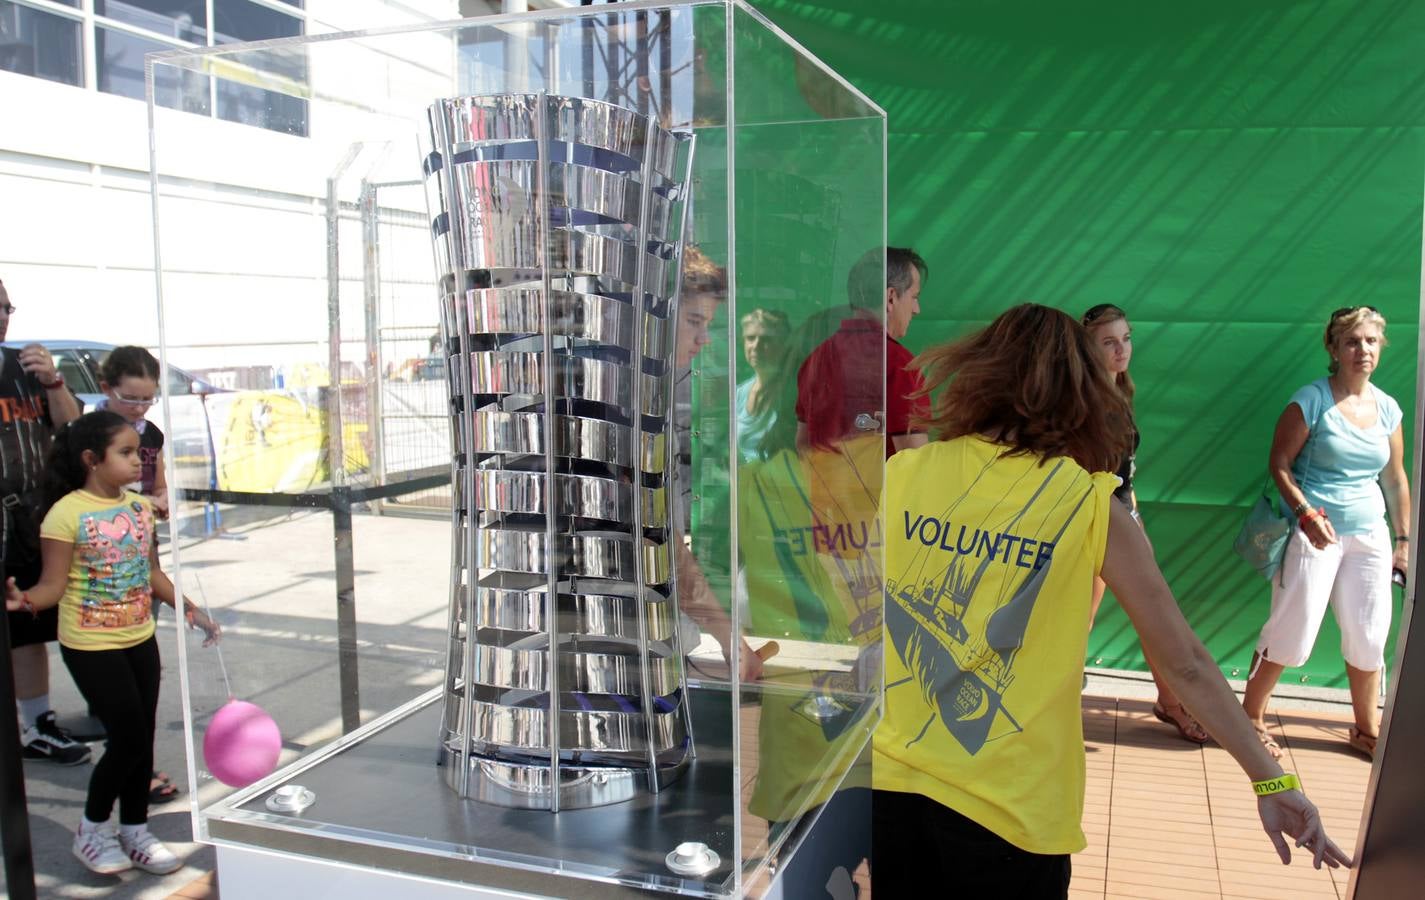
[1227, 172]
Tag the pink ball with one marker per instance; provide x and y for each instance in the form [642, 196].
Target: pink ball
[242, 744]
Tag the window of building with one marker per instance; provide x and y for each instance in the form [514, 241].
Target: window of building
[120, 71]
[242, 20]
[40, 39]
[184, 20]
[41, 44]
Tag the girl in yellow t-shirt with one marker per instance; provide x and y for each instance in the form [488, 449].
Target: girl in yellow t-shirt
[993, 535]
[101, 569]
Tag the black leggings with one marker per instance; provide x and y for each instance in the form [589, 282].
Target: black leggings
[919, 847]
[121, 687]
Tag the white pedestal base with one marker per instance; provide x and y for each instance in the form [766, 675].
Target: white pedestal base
[245, 874]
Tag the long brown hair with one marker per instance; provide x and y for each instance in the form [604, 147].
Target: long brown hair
[1033, 380]
[1107, 314]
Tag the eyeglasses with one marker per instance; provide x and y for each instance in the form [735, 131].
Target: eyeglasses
[7, 308]
[134, 401]
[1347, 310]
[1098, 312]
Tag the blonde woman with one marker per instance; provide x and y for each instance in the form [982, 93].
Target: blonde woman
[765, 334]
[1338, 461]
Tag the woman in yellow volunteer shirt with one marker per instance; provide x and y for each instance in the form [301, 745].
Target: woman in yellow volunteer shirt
[994, 533]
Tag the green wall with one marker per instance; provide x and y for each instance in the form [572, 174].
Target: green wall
[1227, 172]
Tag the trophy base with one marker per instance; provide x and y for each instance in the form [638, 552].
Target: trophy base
[525, 786]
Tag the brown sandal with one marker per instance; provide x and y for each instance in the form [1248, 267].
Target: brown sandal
[1362, 743]
[1188, 727]
[1270, 743]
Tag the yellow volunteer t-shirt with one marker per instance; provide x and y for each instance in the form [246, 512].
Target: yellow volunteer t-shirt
[812, 572]
[990, 562]
[107, 604]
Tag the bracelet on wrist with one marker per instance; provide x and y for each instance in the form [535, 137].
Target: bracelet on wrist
[51, 385]
[1402, 538]
[1300, 509]
[1282, 783]
[26, 605]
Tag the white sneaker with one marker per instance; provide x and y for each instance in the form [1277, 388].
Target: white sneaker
[98, 848]
[148, 853]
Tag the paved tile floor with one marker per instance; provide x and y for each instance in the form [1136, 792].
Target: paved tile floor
[1167, 820]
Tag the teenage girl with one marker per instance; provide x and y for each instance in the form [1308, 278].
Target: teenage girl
[129, 380]
[1112, 337]
[101, 568]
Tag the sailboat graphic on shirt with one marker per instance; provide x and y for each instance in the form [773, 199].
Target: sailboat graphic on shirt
[963, 675]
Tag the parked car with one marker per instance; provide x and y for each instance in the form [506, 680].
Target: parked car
[188, 438]
[244, 440]
[79, 362]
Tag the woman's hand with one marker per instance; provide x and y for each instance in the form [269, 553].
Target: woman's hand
[1318, 530]
[211, 630]
[160, 506]
[1290, 813]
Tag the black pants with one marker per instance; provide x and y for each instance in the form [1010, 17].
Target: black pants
[919, 848]
[839, 841]
[121, 687]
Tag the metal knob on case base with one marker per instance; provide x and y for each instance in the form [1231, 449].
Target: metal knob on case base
[692, 858]
[557, 226]
[290, 798]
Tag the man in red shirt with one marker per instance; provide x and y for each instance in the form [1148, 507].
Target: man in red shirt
[839, 386]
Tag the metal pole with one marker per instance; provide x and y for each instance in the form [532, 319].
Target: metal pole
[671, 467]
[336, 459]
[14, 814]
[640, 308]
[552, 548]
[348, 680]
[1390, 844]
[640, 65]
[665, 68]
[336, 462]
[370, 279]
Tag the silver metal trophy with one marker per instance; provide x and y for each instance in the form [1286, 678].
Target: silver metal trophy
[557, 224]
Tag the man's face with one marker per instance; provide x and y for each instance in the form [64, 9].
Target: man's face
[902, 307]
[695, 314]
[4, 312]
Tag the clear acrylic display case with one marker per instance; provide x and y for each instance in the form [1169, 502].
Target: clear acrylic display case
[308, 254]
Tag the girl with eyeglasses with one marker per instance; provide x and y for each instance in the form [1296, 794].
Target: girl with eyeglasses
[1337, 459]
[129, 379]
[1112, 337]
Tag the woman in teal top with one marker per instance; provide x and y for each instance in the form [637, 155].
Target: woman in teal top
[1337, 459]
[765, 336]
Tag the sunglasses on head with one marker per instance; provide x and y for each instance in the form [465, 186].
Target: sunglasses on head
[1098, 312]
[1347, 310]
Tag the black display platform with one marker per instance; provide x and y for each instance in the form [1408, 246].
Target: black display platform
[382, 803]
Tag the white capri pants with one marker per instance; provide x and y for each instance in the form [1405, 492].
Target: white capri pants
[1353, 576]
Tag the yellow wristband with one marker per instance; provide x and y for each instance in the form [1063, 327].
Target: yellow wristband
[1285, 782]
